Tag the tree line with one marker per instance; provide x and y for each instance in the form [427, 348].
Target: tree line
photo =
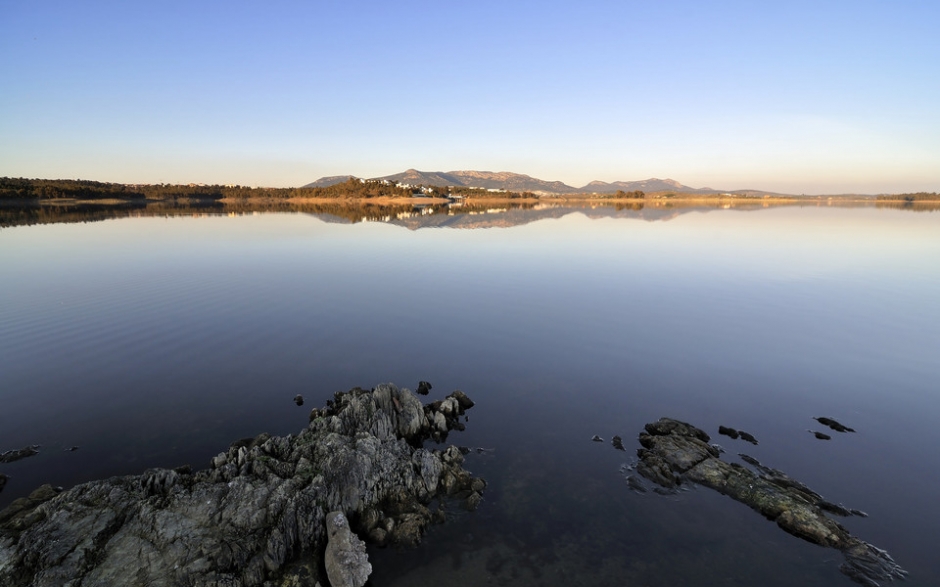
[31, 189]
[48, 189]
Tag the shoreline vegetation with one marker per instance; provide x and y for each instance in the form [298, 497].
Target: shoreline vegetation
[43, 201]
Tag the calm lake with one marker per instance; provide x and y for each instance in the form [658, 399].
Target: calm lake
[157, 341]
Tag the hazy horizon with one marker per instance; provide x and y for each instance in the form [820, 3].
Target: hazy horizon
[798, 98]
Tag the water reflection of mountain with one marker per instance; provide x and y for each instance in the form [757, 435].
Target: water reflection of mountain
[509, 217]
[407, 215]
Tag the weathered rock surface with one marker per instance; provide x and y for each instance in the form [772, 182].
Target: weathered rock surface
[674, 453]
[255, 513]
[346, 561]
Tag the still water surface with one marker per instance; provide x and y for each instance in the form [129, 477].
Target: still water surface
[158, 341]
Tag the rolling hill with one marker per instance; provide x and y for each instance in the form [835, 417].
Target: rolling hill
[517, 182]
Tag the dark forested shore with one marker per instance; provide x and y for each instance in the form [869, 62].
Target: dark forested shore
[53, 189]
[19, 189]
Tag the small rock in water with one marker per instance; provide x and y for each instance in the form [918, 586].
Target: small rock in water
[3, 481]
[635, 484]
[617, 442]
[820, 435]
[22, 453]
[728, 432]
[299, 399]
[597, 438]
[71, 449]
[747, 437]
[423, 388]
[833, 424]
[749, 460]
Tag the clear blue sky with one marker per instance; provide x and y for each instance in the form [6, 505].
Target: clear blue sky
[799, 97]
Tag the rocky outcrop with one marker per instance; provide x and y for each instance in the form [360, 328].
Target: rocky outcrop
[674, 453]
[259, 509]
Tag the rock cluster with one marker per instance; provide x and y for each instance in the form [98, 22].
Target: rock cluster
[261, 506]
[674, 453]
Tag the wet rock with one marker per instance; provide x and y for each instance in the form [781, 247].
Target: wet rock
[597, 438]
[248, 518]
[820, 435]
[747, 437]
[423, 388]
[345, 559]
[299, 399]
[833, 424]
[3, 481]
[635, 484]
[22, 453]
[25, 511]
[472, 502]
[617, 443]
[673, 454]
[736, 434]
[724, 430]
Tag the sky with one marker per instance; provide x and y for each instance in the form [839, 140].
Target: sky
[820, 97]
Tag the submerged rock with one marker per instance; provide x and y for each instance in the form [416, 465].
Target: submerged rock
[674, 453]
[255, 514]
[22, 453]
[726, 431]
[736, 434]
[617, 443]
[833, 424]
[747, 437]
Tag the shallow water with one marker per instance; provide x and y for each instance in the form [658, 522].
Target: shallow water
[158, 341]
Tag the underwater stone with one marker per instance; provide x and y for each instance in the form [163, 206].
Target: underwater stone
[673, 453]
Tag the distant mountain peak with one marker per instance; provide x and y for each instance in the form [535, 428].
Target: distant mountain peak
[518, 182]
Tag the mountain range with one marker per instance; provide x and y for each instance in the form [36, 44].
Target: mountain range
[517, 182]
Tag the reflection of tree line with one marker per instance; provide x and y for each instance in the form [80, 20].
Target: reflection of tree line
[618, 206]
[910, 198]
[28, 213]
[22, 214]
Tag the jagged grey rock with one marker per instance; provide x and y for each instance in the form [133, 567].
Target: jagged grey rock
[346, 561]
[255, 515]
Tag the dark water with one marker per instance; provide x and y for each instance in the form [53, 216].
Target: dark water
[157, 341]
